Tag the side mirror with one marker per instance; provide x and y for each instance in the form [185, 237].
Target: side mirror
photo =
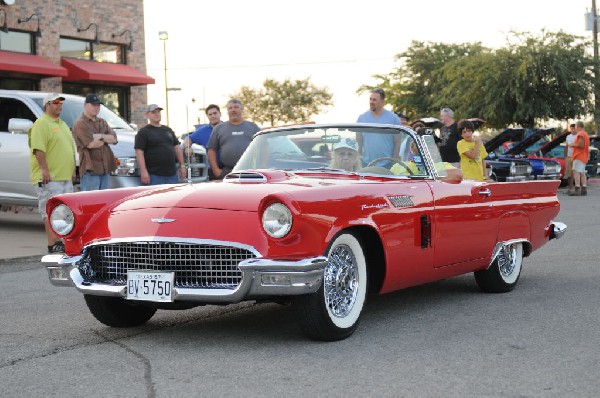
[19, 126]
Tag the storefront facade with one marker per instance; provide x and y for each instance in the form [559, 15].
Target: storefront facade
[77, 47]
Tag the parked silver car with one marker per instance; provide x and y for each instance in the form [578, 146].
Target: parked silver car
[18, 111]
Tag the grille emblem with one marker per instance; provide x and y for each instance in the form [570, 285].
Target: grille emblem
[162, 220]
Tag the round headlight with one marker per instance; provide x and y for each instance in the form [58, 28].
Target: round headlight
[277, 220]
[62, 220]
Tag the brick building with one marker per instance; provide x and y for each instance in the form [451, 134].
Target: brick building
[77, 47]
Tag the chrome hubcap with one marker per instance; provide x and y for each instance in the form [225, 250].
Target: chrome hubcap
[341, 281]
[506, 260]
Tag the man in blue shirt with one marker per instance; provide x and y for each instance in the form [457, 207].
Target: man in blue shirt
[202, 134]
[373, 146]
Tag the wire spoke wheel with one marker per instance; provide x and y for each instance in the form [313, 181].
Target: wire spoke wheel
[506, 260]
[341, 281]
[333, 312]
[503, 274]
[509, 262]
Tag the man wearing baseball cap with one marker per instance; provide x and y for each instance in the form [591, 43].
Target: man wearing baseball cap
[92, 136]
[158, 150]
[52, 160]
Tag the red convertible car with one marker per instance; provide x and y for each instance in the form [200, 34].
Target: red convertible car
[287, 228]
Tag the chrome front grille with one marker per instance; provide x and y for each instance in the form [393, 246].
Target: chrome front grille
[521, 169]
[195, 265]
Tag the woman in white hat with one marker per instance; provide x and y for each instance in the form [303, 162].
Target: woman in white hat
[345, 155]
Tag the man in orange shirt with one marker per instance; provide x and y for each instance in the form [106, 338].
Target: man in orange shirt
[580, 156]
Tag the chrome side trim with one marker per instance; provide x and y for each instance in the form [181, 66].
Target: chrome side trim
[558, 230]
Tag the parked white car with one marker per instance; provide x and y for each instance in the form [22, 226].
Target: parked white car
[18, 111]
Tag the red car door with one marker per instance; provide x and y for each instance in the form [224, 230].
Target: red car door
[463, 225]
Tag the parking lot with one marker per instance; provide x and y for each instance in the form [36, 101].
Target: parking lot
[441, 339]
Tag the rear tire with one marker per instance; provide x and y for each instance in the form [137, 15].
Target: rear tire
[502, 276]
[333, 312]
[116, 312]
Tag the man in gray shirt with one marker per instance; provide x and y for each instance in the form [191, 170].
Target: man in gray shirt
[231, 138]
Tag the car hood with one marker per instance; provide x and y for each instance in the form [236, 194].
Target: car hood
[528, 141]
[506, 135]
[239, 194]
[550, 145]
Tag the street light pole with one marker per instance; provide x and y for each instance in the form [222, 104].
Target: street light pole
[164, 36]
[596, 67]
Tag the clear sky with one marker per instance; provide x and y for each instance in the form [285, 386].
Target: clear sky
[215, 47]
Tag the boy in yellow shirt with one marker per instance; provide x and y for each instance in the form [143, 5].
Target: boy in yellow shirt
[472, 153]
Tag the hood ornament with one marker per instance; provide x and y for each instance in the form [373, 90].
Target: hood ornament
[162, 220]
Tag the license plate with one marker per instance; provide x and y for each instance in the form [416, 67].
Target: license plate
[150, 286]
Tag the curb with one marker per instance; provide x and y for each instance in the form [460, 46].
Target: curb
[21, 260]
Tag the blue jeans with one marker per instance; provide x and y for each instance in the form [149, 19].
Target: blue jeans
[90, 182]
[157, 180]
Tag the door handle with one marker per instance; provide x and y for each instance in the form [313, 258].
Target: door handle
[485, 192]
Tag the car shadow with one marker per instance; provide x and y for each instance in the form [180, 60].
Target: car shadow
[256, 323]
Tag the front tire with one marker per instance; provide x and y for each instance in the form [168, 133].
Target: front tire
[502, 276]
[333, 312]
[116, 312]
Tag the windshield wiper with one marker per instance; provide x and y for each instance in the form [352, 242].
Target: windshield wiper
[323, 168]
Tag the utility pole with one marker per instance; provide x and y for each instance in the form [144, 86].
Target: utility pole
[596, 67]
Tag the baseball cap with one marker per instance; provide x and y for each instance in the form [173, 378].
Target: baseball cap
[93, 99]
[53, 96]
[152, 108]
[346, 143]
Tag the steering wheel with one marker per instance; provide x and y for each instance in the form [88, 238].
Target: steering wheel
[394, 160]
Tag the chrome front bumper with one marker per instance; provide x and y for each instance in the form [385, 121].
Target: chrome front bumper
[518, 178]
[547, 177]
[260, 278]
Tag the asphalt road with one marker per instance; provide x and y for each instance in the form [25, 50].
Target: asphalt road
[442, 339]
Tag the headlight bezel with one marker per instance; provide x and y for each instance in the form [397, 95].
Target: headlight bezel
[277, 220]
[62, 220]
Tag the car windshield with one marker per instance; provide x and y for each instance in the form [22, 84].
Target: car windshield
[335, 149]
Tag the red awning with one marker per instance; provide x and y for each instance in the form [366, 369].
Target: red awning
[84, 70]
[29, 64]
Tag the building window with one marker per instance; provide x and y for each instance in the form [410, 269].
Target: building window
[21, 42]
[109, 53]
[82, 49]
[78, 49]
[114, 98]
[7, 83]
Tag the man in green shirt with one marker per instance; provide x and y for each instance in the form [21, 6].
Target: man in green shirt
[52, 161]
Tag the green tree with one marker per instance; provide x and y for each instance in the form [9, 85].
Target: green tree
[534, 79]
[283, 102]
[414, 87]
[531, 79]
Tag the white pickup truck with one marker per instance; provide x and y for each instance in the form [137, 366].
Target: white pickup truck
[18, 111]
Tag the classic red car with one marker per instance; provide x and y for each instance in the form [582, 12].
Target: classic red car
[292, 229]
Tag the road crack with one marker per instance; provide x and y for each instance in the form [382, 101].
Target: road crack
[150, 390]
